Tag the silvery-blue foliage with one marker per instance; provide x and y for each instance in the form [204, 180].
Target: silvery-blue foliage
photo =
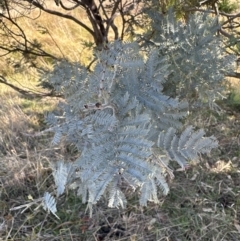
[196, 55]
[124, 125]
[49, 204]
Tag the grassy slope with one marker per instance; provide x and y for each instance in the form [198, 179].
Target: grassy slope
[203, 204]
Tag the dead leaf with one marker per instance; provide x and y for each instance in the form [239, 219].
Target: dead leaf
[194, 177]
[208, 210]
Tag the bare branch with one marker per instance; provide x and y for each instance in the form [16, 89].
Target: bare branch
[110, 22]
[22, 43]
[69, 8]
[28, 93]
[235, 75]
[231, 18]
[53, 12]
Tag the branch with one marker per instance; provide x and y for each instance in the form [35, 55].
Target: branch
[110, 22]
[41, 53]
[22, 44]
[98, 34]
[28, 93]
[224, 33]
[90, 64]
[71, 8]
[38, 5]
[230, 16]
[234, 74]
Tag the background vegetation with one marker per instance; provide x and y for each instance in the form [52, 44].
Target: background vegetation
[204, 203]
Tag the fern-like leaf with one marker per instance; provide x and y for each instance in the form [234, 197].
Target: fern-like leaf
[61, 172]
[49, 204]
[187, 146]
[116, 196]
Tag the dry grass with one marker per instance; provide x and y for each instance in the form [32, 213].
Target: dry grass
[234, 95]
[203, 204]
[58, 37]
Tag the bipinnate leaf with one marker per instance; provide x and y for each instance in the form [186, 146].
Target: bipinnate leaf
[49, 204]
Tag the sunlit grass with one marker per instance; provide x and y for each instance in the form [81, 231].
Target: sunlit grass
[60, 37]
[57, 36]
[234, 97]
[234, 88]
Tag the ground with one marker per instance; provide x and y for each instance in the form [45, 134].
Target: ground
[203, 203]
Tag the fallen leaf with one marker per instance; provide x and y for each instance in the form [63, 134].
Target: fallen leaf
[208, 210]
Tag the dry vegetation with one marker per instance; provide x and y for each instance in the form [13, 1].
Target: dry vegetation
[204, 202]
